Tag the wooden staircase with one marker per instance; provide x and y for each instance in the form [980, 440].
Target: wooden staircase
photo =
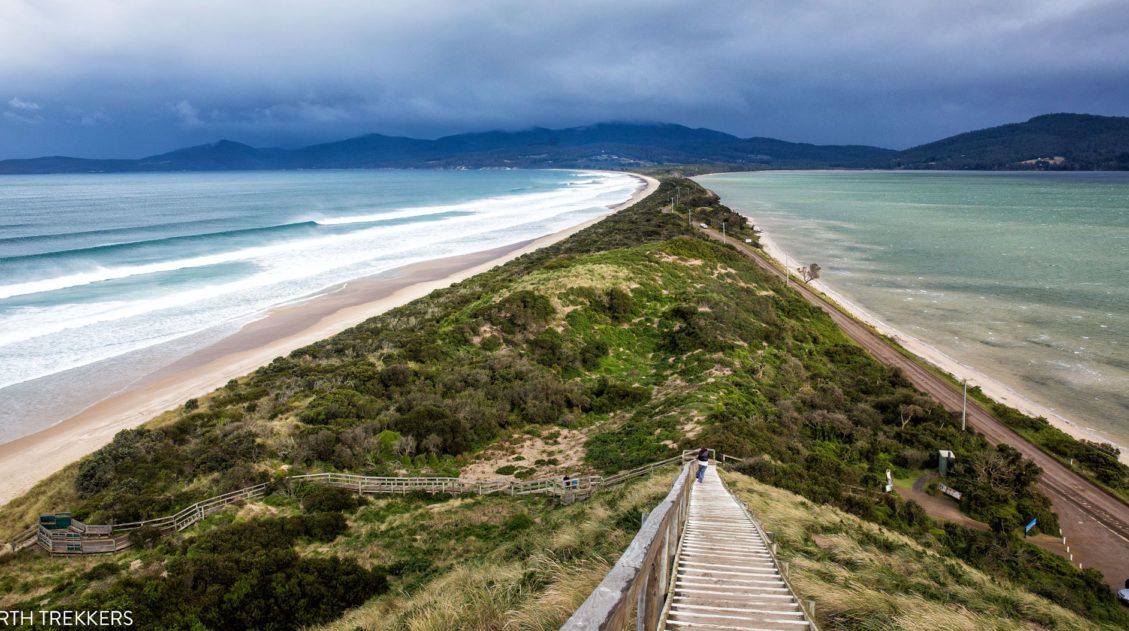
[725, 575]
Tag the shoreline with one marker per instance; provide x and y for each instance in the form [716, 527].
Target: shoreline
[991, 387]
[31, 458]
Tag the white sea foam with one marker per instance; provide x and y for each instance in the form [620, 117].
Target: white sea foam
[44, 337]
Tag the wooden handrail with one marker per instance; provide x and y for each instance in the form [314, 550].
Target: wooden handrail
[567, 490]
[638, 582]
[770, 545]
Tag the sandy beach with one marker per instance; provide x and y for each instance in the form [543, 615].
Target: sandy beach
[993, 388]
[29, 459]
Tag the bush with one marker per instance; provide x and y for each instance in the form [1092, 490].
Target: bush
[522, 310]
[272, 533]
[339, 405]
[145, 537]
[618, 304]
[592, 352]
[435, 429]
[328, 499]
[609, 396]
[491, 343]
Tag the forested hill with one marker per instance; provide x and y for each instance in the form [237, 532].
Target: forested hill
[606, 145]
[1053, 141]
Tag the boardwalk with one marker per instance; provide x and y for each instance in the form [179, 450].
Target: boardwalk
[699, 561]
[725, 574]
[79, 538]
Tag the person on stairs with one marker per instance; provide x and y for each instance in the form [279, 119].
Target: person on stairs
[703, 462]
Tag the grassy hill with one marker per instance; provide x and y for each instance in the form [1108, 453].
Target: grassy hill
[1051, 142]
[864, 576]
[621, 345]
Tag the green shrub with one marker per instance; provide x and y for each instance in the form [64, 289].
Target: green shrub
[491, 343]
[609, 396]
[328, 499]
[522, 310]
[618, 304]
[339, 405]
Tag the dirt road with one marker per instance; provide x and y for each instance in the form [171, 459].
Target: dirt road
[1095, 523]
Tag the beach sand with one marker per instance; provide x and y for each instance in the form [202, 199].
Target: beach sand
[29, 459]
[990, 386]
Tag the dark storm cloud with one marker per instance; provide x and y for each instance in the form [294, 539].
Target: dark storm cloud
[128, 77]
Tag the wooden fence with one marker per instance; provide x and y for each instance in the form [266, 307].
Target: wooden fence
[90, 539]
[82, 538]
[637, 586]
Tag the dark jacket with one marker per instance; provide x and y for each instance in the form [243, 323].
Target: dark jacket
[704, 455]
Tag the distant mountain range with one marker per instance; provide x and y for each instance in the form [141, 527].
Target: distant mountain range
[1055, 141]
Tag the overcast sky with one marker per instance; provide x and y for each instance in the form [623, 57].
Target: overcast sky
[126, 78]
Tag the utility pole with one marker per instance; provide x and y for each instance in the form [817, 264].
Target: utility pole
[964, 408]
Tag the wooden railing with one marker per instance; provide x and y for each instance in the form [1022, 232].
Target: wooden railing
[83, 538]
[636, 587]
[808, 607]
[90, 539]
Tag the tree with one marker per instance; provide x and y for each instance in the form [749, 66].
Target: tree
[809, 273]
[907, 413]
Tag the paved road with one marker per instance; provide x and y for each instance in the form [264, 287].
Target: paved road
[1095, 523]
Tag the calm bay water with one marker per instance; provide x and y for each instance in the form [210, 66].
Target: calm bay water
[1023, 276]
[98, 267]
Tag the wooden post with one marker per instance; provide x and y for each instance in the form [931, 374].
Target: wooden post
[652, 610]
[641, 606]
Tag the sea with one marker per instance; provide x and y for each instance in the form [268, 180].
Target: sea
[1023, 277]
[105, 278]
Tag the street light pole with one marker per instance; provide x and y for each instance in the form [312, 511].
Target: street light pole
[964, 407]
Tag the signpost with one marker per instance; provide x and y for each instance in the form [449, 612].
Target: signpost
[951, 492]
[1029, 526]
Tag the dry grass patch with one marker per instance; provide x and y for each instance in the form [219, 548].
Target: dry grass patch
[863, 576]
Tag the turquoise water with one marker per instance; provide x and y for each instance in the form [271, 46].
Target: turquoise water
[1023, 276]
[95, 268]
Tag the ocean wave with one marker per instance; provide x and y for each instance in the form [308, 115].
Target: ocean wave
[117, 319]
[120, 231]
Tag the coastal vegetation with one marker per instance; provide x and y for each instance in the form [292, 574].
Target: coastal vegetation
[865, 576]
[1098, 462]
[638, 338]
